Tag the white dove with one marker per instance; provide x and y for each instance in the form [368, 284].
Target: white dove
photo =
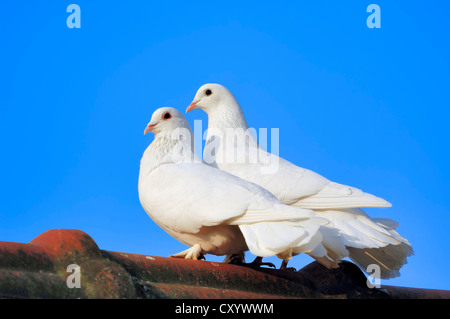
[231, 146]
[212, 211]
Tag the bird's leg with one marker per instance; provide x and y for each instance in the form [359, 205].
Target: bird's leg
[285, 267]
[194, 253]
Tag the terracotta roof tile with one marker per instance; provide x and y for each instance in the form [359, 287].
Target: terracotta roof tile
[38, 270]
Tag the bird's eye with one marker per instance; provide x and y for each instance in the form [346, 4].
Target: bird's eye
[208, 92]
[166, 116]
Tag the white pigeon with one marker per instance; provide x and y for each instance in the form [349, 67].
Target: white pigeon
[212, 211]
[231, 146]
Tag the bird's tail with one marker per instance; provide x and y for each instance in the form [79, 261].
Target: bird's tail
[370, 241]
[272, 238]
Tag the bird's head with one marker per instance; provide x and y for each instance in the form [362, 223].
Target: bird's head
[166, 119]
[211, 96]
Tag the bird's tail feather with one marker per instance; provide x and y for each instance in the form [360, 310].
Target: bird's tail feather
[389, 258]
[369, 241]
[273, 238]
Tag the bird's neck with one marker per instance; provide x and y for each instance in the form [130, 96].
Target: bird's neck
[227, 131]
[169, 149]
[233, 118]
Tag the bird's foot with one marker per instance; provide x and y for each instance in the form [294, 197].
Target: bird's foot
[286, 268]
[194, 253]
[257, 263]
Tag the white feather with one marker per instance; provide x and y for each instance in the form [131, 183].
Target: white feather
[211, 210]
[350, 232]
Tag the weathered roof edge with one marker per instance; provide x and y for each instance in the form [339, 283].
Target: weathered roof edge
[39, 269]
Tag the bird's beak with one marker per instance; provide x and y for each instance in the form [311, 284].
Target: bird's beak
[192, 106]
[150, 127]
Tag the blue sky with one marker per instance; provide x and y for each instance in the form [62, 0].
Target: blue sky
[363, 107]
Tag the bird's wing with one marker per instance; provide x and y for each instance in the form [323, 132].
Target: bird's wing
[283, 179]
[307, 189]
[271, 227]
[335, 196]
[294, 185]
[187, 196]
